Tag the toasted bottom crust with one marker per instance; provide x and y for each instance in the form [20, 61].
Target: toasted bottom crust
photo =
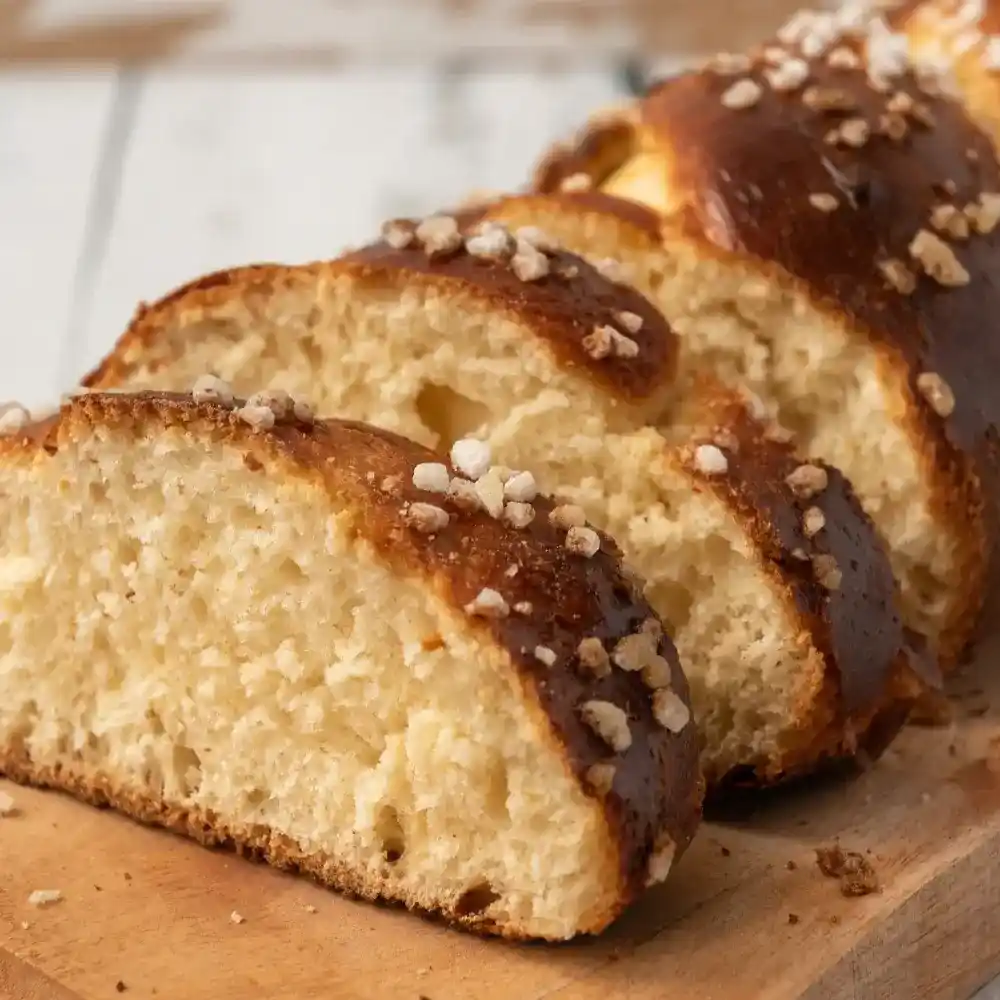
[259, 843]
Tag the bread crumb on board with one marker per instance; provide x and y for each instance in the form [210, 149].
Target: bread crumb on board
[8, 807]
[856, 874]
[237, 918]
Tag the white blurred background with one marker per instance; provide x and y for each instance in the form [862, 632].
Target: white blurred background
[142, 143]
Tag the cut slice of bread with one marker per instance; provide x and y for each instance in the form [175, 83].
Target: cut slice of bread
[256, 630]
[767, 572]
[828, 223]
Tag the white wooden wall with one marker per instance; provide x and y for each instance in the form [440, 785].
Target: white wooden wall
[117, 185]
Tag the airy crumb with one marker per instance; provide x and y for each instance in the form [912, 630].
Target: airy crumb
[7, 805]
[813, 522]
[898, 275]
[601, 777]
[545, 655]
[45, 897]
[463, 495]
[594, 657]
[260, 418]
[524, 607]
[938, 260]
[661, 860]
[567, 515]
[608, 722]
[431, 477]
[669, 711]
[211, 389]
[471, 457]
[824, 202]
[583, 542]
[856, 874]
[710, 460]
[13, 418]
[742, 94]
[807, 480]
[439, 234]
[399, 235]
[576, 182]
[937, 392]
[521, 487]
[489, 489]
[827, 572]
[426, 518]
[488, 603]
[630, 321]
[237, 918]
[599, 341]
[491, 242]
[950, 221]
[518, 515]
[529, 264]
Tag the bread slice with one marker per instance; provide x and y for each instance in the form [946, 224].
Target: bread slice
[561, 371]
[829, 225]
[256, 630]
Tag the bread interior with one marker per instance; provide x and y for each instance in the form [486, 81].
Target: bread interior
[208, 638]
[841, 398]
[437, 368]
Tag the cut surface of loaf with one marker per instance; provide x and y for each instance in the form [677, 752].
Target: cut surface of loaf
[254, 629]
[828, 219]
[560, 377]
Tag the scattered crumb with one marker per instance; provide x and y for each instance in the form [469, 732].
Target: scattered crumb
[7, 805]
[488, 603]
[742, 94]
[237, 918]
[120, 987]
[793, 918]
[791, 865]
[128, 877]
[855, 872]
[545, 655]
[311, 909]
[25, 925]
[725, 852]
[45, 897]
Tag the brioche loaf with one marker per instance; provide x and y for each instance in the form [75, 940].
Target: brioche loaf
[766, 569]
[260, 631]
[828, 224]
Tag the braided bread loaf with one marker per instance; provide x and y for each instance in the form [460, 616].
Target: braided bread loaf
[271, 634]
[827, 221]
[766, 569]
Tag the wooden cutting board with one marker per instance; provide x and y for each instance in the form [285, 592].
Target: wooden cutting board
[749, 915]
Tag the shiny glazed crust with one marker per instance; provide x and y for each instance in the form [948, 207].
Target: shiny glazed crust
[657, 786]
[740, 181]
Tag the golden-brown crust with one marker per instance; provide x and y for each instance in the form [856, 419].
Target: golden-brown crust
[740, 180]
[641, 223]
[856, 627]
[657, 785]
[561, 308]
